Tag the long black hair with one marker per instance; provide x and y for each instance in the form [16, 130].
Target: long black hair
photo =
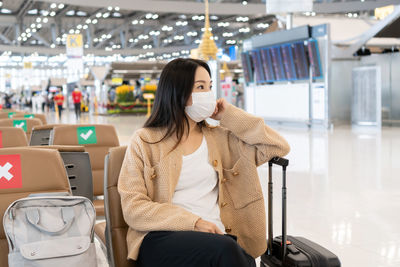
[173, 91]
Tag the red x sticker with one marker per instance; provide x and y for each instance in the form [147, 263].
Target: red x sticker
[10, 171]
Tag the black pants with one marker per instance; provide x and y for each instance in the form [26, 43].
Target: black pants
[60, 108]
[77, 110]
[192, 249]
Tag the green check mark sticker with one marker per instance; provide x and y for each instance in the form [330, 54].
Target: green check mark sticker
[20, 124]
[29, 116]
[10, 114]
[86, 135]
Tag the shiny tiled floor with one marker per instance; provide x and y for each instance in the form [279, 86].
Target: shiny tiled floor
[343, 188]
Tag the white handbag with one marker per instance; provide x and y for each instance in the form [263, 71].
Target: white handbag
[50, 230]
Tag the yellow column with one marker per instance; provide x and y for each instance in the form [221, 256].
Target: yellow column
[148, 97]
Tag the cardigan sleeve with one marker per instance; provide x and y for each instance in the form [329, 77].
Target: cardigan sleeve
[258, 142]
[140, 212]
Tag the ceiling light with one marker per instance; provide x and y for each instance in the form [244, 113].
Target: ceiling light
[34, 30]
[60, 6]
[135, 22]
[23, 34]
[28, 30]
[155, 16]
[54, 5]
[106, 15]
[71, 31]
[116, 8]
[70, 13]
[6, 11]
[223, 24]
[85, 27]
[262, 25]
[1, 4]
[149, 15]
[32, 12]
[52, 13]
[244, 29]
[98, 15]
[166, 28]
[86, 46]
[110, 8]
[81, 13]
[39, 26]
[79, 26]
[141, 21]
[38, 20]
[88, 21]
[45, 13]
[242, 19]
[192, 33]
[24, 39]
[244, 3]
[28, 35]
[109, 36]
[117, 14]
[33, 25]
[45, 20]
[96, 40]
[213, 17]
[52, 45]
[94, 21]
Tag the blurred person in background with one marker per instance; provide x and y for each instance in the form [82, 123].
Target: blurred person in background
[44, 101]
[59, 100]
[77, 98]
[7, 100]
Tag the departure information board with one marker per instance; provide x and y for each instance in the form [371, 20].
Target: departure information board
[286, 62]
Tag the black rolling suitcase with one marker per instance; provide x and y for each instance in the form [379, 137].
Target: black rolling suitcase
[291, 251]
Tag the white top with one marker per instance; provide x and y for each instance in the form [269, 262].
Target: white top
[197, 188]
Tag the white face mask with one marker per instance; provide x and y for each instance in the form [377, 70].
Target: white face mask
[203, 106]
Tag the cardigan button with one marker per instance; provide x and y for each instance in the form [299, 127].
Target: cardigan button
[153, 176]
[215, 163]
[235, 174]
[228, 230]
[224, 204]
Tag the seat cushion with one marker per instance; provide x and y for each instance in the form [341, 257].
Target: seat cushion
[100, 231]
[99, 207]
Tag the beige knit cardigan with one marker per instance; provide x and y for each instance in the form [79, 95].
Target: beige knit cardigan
[150, 173]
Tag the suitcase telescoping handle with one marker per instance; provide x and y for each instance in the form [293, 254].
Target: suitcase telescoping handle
[284, 163]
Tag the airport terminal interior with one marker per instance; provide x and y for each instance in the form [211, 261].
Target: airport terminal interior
[78, 79]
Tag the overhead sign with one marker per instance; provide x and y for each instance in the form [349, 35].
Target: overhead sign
[289, 6]
[74, 45]
[27, 65]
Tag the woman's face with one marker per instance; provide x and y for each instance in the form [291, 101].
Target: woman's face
[202, 83]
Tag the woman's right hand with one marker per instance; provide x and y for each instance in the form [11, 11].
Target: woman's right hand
[207, 227]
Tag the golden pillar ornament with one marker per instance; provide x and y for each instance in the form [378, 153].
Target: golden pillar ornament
[207, 48]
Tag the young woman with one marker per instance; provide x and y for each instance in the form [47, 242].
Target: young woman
[190, 192]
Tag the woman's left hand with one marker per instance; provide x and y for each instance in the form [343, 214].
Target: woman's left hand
[219, 109]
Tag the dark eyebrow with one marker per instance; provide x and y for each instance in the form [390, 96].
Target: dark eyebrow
[201, 81]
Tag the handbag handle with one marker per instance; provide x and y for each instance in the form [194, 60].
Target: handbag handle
[67, 215]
